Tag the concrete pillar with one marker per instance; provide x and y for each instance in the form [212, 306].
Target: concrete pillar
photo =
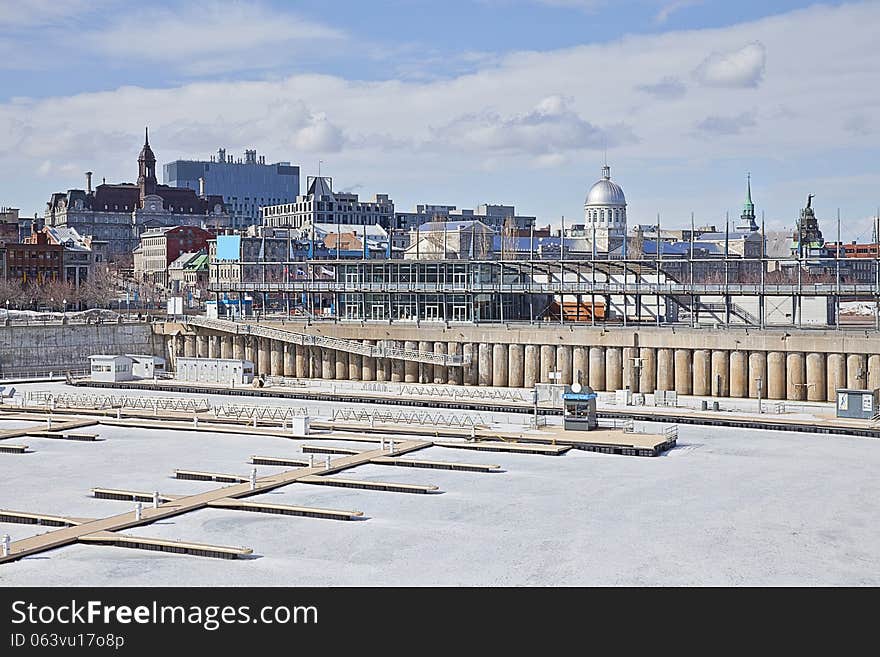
[226, 347]
[720, 374]
[398, 369]
[355, 366]
[739, 374]
[531, 365]
[836, 375]
[441, 375]
[368, 364]
[515, 363]
[817, 387]
[648, 371]
[328, 363]
[499, 365]
[471, 357]
[563, 363]
[856, 371]
[425, 372]
[580, 365]
[629, 380]
[251, 350]
[213, 347]
[411, 367]
[757, 370]
[189, 346]
[613, 368]
[289, 360]
[795, 388]
[340, 365]
[201, 346]
[684, 372]
[702, 367]
[301, 361]
[597, 368]
[775, 375]
[315, 365]
[383, 366]
[277, 358]
[265, 356]
[485, 373]
[873, 372]
[548, 362]
[237, 343]
[454, 375]
[665, 369]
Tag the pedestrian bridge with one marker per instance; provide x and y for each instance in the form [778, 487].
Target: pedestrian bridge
[308, 340]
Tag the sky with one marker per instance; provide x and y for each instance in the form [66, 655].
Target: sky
[461, 102]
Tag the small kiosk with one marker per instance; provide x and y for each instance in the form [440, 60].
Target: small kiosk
[861, 404]
[579, 408]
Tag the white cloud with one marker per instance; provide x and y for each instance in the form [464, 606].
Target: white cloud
[743, 67]
[668, 88]
[672, 7]
[207, 37]
[727, 125]
[550, 127]
[35, 13]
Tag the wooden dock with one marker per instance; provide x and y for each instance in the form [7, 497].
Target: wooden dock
[279, 460]
[286, 510]
[187, 503]
[605, 441]
[369, 485]
[210, 476]
[13, 449]
[436, 465]
[502, 446]
[165, 545]
[129, 495]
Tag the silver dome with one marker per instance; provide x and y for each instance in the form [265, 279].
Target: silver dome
[605, 192]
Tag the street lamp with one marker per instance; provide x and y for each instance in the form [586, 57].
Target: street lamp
[64, 308]
[760, 382]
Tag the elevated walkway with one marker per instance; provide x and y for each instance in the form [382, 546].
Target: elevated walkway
[309, 340]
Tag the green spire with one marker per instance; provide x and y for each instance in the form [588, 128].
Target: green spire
[749, 207]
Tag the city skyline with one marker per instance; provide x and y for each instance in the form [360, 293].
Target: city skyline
[686, 96]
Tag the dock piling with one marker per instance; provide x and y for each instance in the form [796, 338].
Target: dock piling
[327, 462]
[6, 540]
[138, 511]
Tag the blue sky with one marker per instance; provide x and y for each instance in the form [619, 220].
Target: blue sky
[461, 102]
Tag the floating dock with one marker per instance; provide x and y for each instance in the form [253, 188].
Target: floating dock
[210, 476]
[501, 446]
[25, 518]
[63, 435]
[13, 449]
[435, 465]
[164, 545]
[286, 510]
[314, 449]
[279, 460]
[129, 495]
[607, 441]
[369, 485]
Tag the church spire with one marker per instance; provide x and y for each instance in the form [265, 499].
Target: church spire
[147, 168]
[747, 218]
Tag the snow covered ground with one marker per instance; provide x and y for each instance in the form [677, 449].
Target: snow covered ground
[726, 507]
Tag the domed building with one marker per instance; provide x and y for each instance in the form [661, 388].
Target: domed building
[605, 213]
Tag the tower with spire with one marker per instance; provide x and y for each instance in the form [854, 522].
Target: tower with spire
[146, 181]
[747, 223]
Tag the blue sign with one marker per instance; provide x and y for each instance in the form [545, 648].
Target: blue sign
[229, 247]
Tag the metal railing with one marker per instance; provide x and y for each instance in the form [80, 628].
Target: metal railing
[420, 418]
[239, 412]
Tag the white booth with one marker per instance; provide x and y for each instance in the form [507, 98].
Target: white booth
[225, 371]
[146, 367]
[111, 368]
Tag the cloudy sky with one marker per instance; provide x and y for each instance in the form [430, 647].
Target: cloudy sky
[461, 101]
